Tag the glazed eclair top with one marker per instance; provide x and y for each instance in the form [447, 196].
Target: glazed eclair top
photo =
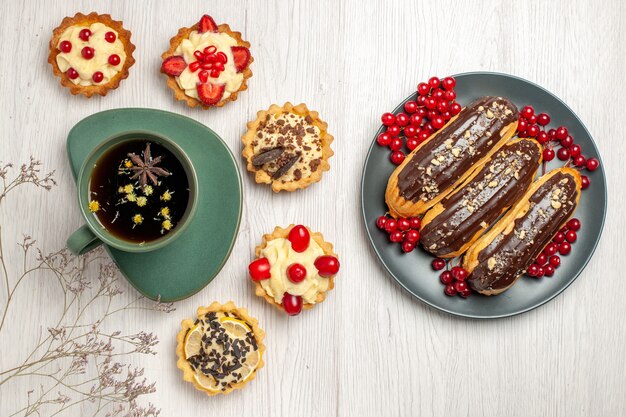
[443, 159]
[461, 216]
[509, 254]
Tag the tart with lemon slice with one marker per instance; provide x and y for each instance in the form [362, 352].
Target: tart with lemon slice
[221, 350]
[287, 146]
[207, 64]
[294, 268]
[91, 53]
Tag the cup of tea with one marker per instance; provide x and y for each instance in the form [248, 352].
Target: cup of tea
[137, 192]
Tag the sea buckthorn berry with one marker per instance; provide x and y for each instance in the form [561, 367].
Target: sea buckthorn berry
[543, 119]
[65, 46]
[84, 34]
[110, 37]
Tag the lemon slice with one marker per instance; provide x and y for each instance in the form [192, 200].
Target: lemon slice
[235, 328]
[207, 382]
[193, 341]
[252, 361]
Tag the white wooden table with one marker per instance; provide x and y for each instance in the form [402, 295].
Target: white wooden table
[370, 349]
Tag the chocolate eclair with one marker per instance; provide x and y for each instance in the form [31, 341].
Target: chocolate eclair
[457, 221]
[502, 255]
[449, 156]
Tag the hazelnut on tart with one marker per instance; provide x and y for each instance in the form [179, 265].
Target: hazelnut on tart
[221, 350]
[294, 268]
[91, 53]
[287, 146]
[207, 65]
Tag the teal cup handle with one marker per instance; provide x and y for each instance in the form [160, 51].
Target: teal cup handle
[83, 240]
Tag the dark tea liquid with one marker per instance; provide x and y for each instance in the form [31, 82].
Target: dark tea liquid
[127, 209]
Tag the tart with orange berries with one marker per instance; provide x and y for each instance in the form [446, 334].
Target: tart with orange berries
[91, 53]
[221, 350]
[207, 65]
[294, 268]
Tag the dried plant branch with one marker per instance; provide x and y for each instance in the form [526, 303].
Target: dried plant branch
[76, 362]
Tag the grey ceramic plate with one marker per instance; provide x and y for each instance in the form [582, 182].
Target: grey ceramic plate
[413, 270]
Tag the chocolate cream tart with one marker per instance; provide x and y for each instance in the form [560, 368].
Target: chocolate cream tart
[435, 168]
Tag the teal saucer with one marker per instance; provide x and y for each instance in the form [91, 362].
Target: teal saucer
[188, 264]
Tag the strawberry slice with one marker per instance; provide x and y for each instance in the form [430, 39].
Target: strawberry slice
[241, 55]
[207, 24]
[174, 65]
[210, 94]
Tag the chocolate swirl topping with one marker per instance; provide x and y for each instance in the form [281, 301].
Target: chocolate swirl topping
[442, 160]
[508, 255]
[469, 210]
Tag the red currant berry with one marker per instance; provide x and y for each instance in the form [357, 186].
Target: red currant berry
[466, 293]
[326, 265]
[559, 237]
[97, 77]
[579, 161]
[446, 278]
[72, 73]
[568, 141]
[393, 130]
[296, 273]
[415, 222]
[460, 286]
[412, 236]
[532, 270]
[543, 119]
[423, 89]
[292, 304]
[548, 270]
[438, 264]
[522, 125]
[84, 34]
[443, 106]
[110, 37]
[438, 122]
[402, 119]
[421, 100]
[438, 94]
[540, 272]
[396, 144]
[585, 182]
[527, 111]
[446, 115]
[575, 149]
[555, 261]
[548, 154]
[532, 119]
[423, 135]
[412, 143]
[449, 290]
[407, 246]
[65, 46]
[391, 225]
[533, 131]
[299, 237]
[430, 103]
[551, 249]
[563, 154]
[592, 164]
[573, 224]
[259, 269]
[450, 95]
[432, 114]
[87, 52]
[570, 236]
[403, 224]
[114, 59]
[384, 139]
[552, 134]
[410, 131]
[455, 108]
[565, 248]
[388, 119]
[381, 221]
[434, 82]
[410, 107]
[397, 157]
[459, 273]
[541, 260]
[561, 133]
[416, 119]
[448, 83]
[542, 137]
[396, 237]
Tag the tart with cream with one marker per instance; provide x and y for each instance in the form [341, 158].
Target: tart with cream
[207, 65]
[287, 147]
[294, 268]
[221, 350]
[91, 53]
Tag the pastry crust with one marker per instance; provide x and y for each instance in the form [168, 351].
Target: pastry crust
[507, 223]
[262, 177]
[179, 93]
[229, 307]
[81, 19]
[279, 232]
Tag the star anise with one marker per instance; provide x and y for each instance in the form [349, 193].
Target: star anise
[147, 167]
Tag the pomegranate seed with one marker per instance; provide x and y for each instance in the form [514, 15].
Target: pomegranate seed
[565, 248]
[570, 236]
[446, 277]
[563, 154]
[448, 83]
[393, 130]
[65, 46]
[415, 222]
[527, 111]
[555, 261]
[87, 52]
[214, 73]
[110, 37]
[412, 236]
[585, 182]
[97, 77]
[434, 82]
[193, 67]
[203, 76]
[592, 164]
[573, 224]
[391, 225]
[548, 154]
[397, 157]
[396, 237]
[402, 119]
[568, 141]
[72, 73]
[84, 34]
[114, 59]
[423, 89]
[396, 144]
[438, 264]
[449, 290]
[561, 133]
[221, 57]
[206, 65]
[199, 55]
[384, 139]
[388, 119]
[410, 107]
[380, 222]
[543, 119]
